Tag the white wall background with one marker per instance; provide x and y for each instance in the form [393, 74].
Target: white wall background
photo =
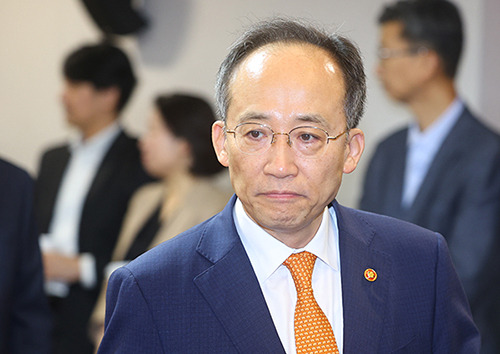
[181, 50]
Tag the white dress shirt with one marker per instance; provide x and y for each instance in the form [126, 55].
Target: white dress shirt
[423, 146]
[86, 157]
[267, 255]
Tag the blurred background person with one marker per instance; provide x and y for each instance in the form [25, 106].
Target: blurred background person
[83, 189]
[24, 312]
[441, 172]
[177, 149]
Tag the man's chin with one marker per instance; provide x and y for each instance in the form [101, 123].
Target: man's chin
[279, 215]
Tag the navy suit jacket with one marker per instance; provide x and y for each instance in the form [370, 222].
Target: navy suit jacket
[198, 293]
[460, 199]
[24, 312]
[117, 178]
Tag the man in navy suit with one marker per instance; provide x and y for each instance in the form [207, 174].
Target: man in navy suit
[443, 171]
[24, 313]
[290, 97]
[83, 188]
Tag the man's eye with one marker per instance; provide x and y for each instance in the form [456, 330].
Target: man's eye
[255, 134]
[307, 137]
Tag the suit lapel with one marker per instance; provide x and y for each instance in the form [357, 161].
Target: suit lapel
[232, 289]
[48, 184]
[106, 168]
[443, 161]
[396, 177]
[60, 167]
[364, 301]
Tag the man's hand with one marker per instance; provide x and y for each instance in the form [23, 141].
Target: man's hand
[61, 268]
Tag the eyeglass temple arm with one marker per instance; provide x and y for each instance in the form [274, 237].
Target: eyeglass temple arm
[338, 135]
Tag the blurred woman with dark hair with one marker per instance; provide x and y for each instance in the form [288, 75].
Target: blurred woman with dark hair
[177, 149]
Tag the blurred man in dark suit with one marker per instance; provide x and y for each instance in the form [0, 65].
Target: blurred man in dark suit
[443, 171]
[83, 189]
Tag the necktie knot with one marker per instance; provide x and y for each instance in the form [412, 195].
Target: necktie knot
[301, 267]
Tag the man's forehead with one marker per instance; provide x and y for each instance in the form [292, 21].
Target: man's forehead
[302, 58]
[258, 57]
[393, 30]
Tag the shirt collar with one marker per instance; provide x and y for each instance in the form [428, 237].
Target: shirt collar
[438, 130]
[99, 142]
[267, 254]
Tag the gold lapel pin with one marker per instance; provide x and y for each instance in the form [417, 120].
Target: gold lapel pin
[370, 274]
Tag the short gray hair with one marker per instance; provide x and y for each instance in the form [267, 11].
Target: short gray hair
[279, 30]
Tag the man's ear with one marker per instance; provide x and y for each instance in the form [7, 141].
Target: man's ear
[110, 98]
[354, 149]
[431, 65]
[219, 142]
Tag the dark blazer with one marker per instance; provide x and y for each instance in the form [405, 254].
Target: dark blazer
[198, 293]
[24, 312]
[460, 199]
[118, 176]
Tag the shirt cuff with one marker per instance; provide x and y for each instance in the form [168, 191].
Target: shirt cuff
[88, 276]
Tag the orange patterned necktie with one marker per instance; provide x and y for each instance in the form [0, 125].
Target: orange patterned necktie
[313, 332]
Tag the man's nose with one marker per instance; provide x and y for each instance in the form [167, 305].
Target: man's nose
[281, 157]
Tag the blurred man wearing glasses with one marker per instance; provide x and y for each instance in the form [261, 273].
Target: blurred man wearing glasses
[443, 171]
[284, 268]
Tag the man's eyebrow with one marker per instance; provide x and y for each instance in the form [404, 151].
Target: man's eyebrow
[252, 116]
[313, 118]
